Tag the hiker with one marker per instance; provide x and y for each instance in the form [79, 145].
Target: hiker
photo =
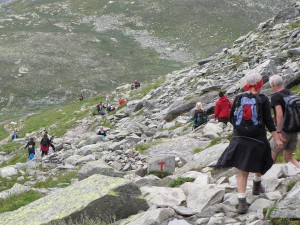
[122, 101]
[31, 148]
[51, 140]
[249, 149]
[135, 85]
[199, 116]
[102, 132]
[110, 108]
[14, 136]
[80, 97]
[222, 109]
[278, 104]
[45, 143]
[100, 107]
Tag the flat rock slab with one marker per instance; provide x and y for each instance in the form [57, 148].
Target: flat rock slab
[181, 147]
[97, 197]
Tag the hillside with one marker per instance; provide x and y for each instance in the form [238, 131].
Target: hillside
[51, 50]
[113, 179]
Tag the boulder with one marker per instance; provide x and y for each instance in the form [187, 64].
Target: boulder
[98, 167]
[163, 196]
[164, 164]
[151, 217]
[8, 171]
[16, 189]
[288, 208]
[208, 156]
[95, 197]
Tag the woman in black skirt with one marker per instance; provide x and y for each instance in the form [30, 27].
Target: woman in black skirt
[249, 149]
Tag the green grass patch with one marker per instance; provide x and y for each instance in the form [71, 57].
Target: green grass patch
[142, 148]
[181, 180]
[290, 185]
[145, 89]
[160, 174]
[63, 180]
[3, 132]
[285, 222]
[295, 25]
[10, 147]
[197, 150]
[7, 183]
[63, 117]
[19, 157]
[16, 201]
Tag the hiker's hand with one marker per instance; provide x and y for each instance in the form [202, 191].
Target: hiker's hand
[281, 138]
[279, 144]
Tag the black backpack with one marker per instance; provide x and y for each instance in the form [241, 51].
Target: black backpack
[45, 142]
[247, 118]
[291, 119]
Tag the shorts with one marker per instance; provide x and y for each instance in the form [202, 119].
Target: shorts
[289, 145]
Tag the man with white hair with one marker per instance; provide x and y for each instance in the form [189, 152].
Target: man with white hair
[278, 105]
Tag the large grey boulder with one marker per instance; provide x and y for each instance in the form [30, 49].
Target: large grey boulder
[288, 208]
[16, 189]
[163, 196]
[95, 197]
[8, 171]
[163, 164]
[208, 156]
[185, 105]
[151, 217]
[98, 167]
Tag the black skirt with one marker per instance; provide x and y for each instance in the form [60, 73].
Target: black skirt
[247, 154]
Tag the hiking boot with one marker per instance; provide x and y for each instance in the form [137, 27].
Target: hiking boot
[243, 207]
[257, 188]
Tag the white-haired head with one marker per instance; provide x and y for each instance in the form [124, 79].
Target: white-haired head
[276, 81]
[253, 78]
[199, 106]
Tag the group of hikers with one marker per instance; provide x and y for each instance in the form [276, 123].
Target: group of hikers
[249, 149]
[45, 144]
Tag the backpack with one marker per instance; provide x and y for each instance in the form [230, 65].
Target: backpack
[44, 142]
[201, 118]
[291, 119]
[247, 118]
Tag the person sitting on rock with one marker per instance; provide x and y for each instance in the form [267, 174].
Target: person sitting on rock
[31, 148]
[200, 116]
[102, 132]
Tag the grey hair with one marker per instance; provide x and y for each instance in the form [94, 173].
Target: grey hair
[276, 81]
[253, 78]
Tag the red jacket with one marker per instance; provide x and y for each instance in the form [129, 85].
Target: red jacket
[222, 109]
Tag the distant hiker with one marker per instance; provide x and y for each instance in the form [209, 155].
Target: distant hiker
[110, 108]
[31, 148]
[14, 136]
[100, 108]
[200, 116]
[287, 119]
[102, 132]
[122, 101]
[249, 149]
[80, 97]
[45, 143]
[51, 140]
[222, 109]
[135, 85]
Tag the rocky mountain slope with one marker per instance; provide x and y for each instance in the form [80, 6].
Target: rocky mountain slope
[157, 122]
[52, 50]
